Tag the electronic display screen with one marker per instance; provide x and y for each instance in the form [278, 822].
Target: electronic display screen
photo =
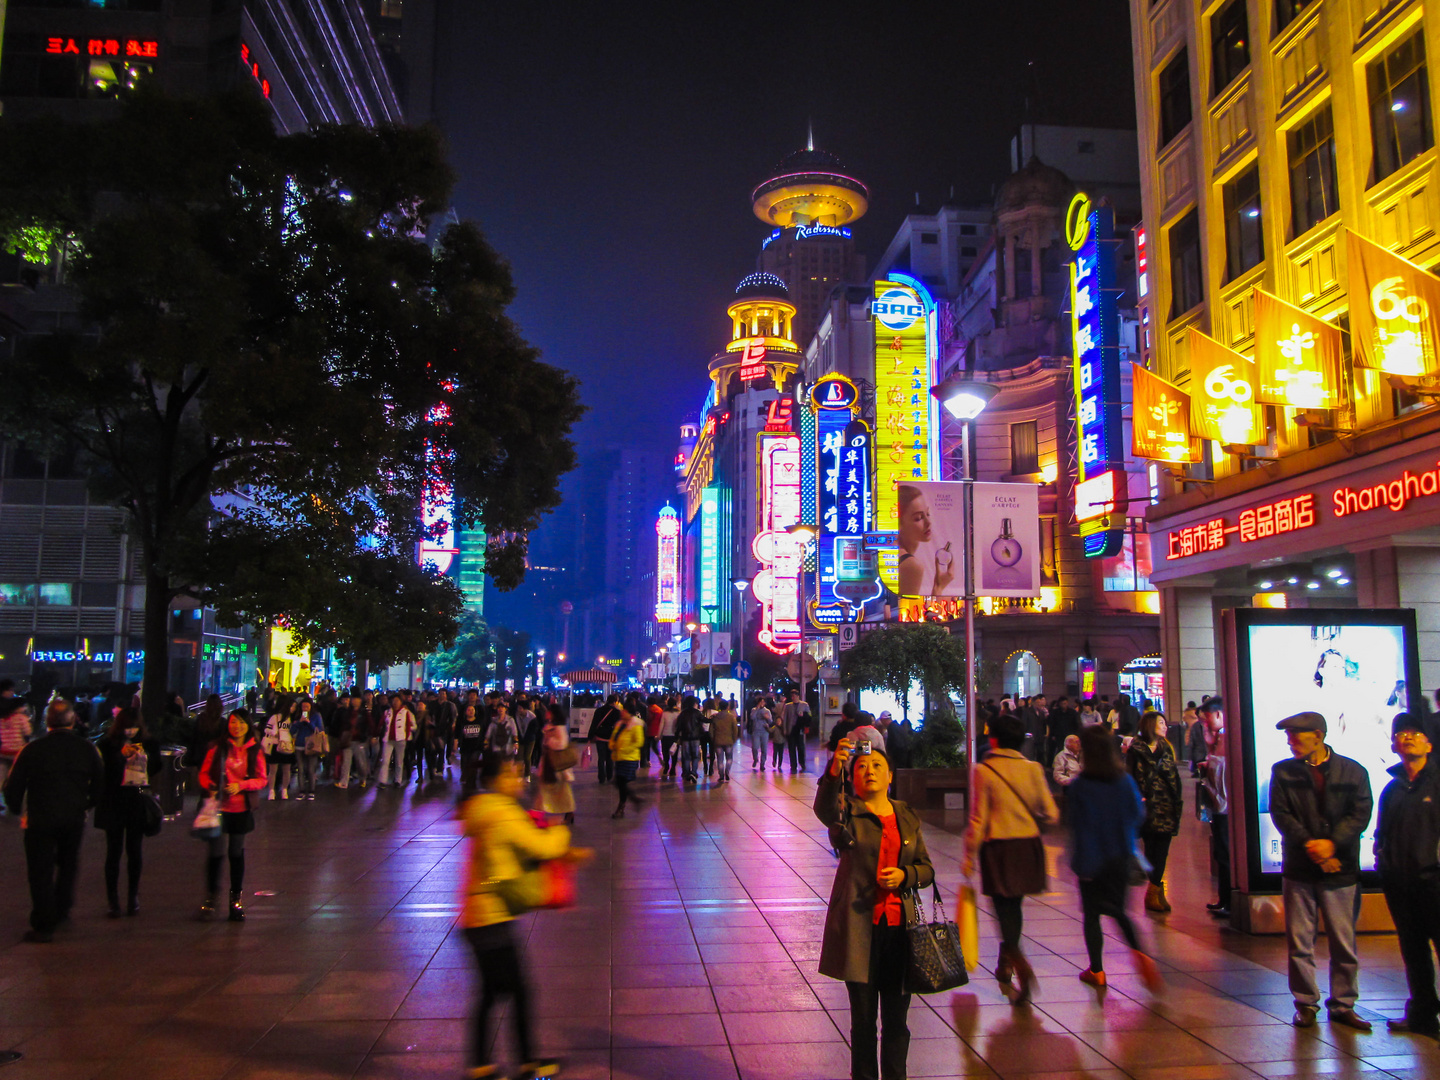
[1353, 667]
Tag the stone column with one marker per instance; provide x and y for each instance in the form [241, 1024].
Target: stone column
[1187, 645]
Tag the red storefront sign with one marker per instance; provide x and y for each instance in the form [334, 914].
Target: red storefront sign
[128, 47]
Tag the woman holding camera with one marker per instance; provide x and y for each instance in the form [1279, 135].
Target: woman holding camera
[882, 860]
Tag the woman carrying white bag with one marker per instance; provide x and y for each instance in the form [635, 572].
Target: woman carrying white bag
[232, 770]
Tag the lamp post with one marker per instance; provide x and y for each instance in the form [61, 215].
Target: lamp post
[966, 399]
[803, 534]
[740, 585]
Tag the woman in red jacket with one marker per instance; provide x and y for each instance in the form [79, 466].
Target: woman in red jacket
[243, 767]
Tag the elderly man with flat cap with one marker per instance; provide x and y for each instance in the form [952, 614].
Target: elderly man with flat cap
[1321, 803]
[1407, 843]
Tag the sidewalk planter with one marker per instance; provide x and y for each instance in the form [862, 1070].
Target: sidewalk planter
[925, 789]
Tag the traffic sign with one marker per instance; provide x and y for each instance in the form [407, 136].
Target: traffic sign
[741, 669]
[849, 634]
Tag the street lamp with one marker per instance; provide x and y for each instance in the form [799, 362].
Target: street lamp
[740, 585]
[804, 534]
[965, 399]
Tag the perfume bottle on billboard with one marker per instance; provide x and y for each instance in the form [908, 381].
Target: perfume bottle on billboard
[1008, 565]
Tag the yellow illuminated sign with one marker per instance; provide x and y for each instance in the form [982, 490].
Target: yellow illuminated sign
[902, 403]
[1394, 310]
[1297, 356]
[1222, 392]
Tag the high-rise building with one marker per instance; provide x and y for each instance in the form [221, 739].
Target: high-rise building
[315, 63]
[1292, 225]
[810, 203]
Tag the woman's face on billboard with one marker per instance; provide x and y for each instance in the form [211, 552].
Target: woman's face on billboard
[915, 524]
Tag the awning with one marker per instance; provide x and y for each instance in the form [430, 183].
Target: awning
[589, 675]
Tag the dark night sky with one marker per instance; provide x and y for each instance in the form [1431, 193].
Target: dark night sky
[609, 151]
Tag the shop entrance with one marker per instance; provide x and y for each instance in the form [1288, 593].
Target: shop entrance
[1141, 679]
[1021, 675]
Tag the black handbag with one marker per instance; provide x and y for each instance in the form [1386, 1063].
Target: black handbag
[154, 815]
[936, 961]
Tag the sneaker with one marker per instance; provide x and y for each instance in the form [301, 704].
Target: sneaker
[342, 787]
[1093, 978]
[285, 794]
[1304, 1016]
[1348, 1018]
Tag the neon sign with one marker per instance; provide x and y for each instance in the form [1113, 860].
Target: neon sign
[1097, 496]
[781, 555]
[781, 416]
[710, 525]
[437, 502]
[667, 570]
[903, 314]
[1392, 494]
[131, 48]
[254, 69]
[1256, 523]
[1095, 327]
[805, 232]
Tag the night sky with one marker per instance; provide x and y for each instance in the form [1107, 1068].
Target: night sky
[609, 153]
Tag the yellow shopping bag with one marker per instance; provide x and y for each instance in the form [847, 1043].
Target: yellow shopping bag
[968, 920]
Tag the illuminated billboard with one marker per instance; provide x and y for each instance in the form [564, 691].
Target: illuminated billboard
[1095, 332]
[847, 577]
[904, 313]
[780, 555]
[714, 568]
[667, 568]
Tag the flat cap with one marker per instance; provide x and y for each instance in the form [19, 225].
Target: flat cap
[1302, 721]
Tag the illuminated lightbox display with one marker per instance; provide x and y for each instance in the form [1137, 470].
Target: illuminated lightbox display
[1095, 325]
[437, 506]
[667, 568]
[1354, 667]
[781, 555]
[847, 577]
[903, 312]
[714, 550]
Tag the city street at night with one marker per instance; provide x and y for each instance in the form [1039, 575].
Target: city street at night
[691, 956]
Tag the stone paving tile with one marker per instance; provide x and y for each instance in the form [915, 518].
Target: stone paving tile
[692, 954]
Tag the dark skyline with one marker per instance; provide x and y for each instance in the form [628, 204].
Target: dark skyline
[609, 153]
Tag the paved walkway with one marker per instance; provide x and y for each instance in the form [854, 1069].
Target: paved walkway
[692, 957]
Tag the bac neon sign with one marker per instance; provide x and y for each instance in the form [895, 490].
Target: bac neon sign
[897, 309]
[133, 48]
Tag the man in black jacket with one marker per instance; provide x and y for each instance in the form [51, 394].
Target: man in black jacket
[57, 778]
[1406, 839]
[602, 726]
[1321, 804]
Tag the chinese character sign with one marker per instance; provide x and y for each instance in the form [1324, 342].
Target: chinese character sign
[1222, 399]
[1095, 327]
[709, 553]
[1394, 310]
[1160, 429]
[1297, 356]
[781, 555]
[902, 397]
[667, 570]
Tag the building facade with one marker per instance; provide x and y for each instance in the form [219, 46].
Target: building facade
[1289, 168]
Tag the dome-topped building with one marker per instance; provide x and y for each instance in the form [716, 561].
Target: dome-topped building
[811, 200]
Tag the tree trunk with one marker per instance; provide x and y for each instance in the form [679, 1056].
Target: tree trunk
[153, 685]
[362, 674]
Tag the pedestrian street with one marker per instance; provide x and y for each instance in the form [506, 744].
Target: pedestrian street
[691, 956]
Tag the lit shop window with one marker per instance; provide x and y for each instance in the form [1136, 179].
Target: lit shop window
[1130, 570]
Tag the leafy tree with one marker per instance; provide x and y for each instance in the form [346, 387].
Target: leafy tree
[894, 657]
[470, 657]
[263, 325]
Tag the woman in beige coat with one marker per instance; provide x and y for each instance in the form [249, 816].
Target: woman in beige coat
[882, 861]
[1011, 801]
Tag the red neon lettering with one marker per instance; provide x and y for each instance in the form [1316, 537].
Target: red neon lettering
[96, 47]
[265, 87]
[55, 45]
[245, 52]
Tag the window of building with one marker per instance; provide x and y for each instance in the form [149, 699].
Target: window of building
[967, 230]
[1244, 243]
[1187, 282]
[967, 252]
[929, 238]
[22, 595]
[1130, 570]
[57, 594]
[1229, 43]
[1025, 448]
[1174, 96]
[392, 9]
[32, 69]
[1286, 11]
[1399, 106]
[1313, 194]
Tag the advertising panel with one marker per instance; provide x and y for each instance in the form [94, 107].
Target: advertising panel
[902, 315]
[777, 586]
[1353, 666]
[1223, 398]
[1297, 356]
[1394, 310]
[1007, 540]
[1161, 427]
[667, 569]
[714, 555]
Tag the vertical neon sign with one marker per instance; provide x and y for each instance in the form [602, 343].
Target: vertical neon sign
[780, 555]
[667, 569]
[709, 554]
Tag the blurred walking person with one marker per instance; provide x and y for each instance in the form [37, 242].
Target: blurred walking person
[131, 759]
[759, 734]
[1213, 794]
[687, 734]
[724, 730]
[16, 727]
[54, 780]
[625, 743]
[1012, 801]
[557, 796]
[1151, 763]
[1104, 810]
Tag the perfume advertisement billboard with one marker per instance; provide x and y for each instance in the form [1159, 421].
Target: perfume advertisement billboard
[1007, 540]
[932, 539]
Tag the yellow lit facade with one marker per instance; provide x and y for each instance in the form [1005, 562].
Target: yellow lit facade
[1288, 154]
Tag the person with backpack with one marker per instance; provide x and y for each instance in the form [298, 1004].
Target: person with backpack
[505, 845]
[132, 759]
[501, 737]
[233, 770]
[602, 726]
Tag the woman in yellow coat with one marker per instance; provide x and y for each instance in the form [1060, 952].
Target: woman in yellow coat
[625, 744]
[505, 844]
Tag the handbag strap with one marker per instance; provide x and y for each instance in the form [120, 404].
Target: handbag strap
[935, 898]
[1000, 776]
